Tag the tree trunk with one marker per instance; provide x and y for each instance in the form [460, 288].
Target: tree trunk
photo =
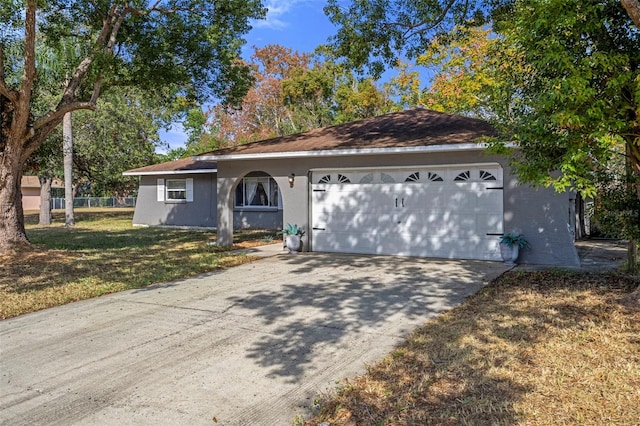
[67, 150]
[12, 232]
[581, 228]
[632, 256]
[633, 9]
[45, 201]
[633, 166]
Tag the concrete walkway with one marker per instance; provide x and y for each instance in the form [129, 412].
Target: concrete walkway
[600, 255]
[251, 345]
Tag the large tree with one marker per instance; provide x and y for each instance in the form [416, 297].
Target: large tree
[379, 33]
[191, 43]
[263, 113]
[581, 98]
[581, 94]
[121, 134]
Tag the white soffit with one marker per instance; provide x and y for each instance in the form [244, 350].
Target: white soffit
[342, 152]
[171, 172]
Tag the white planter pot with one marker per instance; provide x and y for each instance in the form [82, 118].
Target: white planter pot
[509, 254]
[293, 243]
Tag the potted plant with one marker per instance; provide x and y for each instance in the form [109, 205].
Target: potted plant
[510, 246]
[292, 234]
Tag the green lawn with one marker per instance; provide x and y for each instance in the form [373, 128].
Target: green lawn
[103, 253]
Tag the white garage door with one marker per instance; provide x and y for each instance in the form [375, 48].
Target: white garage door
[453, 212]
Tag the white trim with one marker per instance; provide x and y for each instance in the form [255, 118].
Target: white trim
[415, 166]
[189, 190]
[172, 172]
[185, 227]
[256, 208]
[342, 152]
[160, 190]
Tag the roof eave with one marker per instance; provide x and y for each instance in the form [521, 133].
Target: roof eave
[344, 152]
[169, 172]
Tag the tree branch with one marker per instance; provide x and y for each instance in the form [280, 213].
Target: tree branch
[22, 98]
[7, 92]
[111, 25]
[97, 9]
[61, 110]
[633, 9]
[412, 30]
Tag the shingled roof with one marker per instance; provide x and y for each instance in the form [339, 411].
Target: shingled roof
[416, 127]
[186, 166]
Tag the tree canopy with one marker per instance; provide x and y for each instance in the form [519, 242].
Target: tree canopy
[377, 34]
[294, 92]
[192, 46]
[581, 94]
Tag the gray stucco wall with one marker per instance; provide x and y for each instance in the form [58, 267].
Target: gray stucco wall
[199, 213]
[540, 214]
[545, 217]
[255, 218]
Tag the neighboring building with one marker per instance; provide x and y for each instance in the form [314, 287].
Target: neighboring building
[30, 187]
[414, 183]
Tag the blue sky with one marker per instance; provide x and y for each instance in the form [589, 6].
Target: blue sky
[297, 24]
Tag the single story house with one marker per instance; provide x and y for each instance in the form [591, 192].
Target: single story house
[30, 188]
[412, 183]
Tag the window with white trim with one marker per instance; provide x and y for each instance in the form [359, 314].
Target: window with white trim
[257, 192]
[175, 190]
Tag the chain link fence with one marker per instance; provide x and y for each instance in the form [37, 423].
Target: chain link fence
[58, 203]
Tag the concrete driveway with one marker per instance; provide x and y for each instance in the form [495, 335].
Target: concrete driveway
[252, 344]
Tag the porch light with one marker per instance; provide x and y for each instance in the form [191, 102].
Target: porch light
[292, 178]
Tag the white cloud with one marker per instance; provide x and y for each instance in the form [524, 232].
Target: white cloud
[277, 14]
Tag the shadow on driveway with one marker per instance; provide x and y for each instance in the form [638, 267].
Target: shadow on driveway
[325, 302]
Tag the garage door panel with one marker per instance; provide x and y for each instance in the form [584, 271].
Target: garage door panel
[343, 222]
[437, 222]
[488, 199]
[488, 223]
[364, 243]
[326, 212]
[446, 218]
[353, 198]
[446, 247]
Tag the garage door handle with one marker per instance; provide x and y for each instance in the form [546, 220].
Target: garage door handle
[403, 202]
[319, 229]
[496, 187]
[396, 202]
[499, 234]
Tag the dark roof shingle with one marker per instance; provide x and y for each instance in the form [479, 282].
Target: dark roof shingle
[410, 128]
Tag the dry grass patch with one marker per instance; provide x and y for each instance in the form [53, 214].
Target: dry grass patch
[534, 348]
[104, 254]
